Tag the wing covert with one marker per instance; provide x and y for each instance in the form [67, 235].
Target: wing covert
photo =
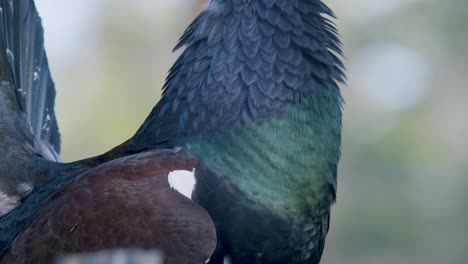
[124, 203]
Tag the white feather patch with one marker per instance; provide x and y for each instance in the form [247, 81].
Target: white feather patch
[183, 181]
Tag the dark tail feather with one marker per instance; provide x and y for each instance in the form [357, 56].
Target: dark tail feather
[23, 64]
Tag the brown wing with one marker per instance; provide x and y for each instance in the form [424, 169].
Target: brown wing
[124, 203]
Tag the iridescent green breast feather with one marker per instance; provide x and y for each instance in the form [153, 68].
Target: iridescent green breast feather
[287, 164]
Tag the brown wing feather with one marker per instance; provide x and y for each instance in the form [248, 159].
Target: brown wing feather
[125, 203]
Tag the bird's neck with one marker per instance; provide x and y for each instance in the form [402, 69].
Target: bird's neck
[274, 63]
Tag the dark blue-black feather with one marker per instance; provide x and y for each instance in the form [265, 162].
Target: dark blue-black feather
[24, 65]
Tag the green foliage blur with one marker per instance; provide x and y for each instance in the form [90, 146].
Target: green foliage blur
[402, 194]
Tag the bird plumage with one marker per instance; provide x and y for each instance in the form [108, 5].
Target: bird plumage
[254, 98]
[124, 203]
[28, 124]
[131, 201]
[23, 64]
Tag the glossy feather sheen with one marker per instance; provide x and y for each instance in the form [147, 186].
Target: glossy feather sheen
[287, 164]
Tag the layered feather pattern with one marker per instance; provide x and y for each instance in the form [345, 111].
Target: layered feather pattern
[245, 61]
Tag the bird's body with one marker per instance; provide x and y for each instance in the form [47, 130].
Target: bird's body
[254, 100]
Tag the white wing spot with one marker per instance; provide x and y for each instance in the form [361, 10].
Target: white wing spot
[183, 181]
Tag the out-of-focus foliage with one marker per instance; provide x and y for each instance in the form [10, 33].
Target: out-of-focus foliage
[403, 190]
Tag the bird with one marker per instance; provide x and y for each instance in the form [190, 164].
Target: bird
[252, 107]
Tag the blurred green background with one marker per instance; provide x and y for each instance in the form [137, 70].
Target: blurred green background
[403, 190]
